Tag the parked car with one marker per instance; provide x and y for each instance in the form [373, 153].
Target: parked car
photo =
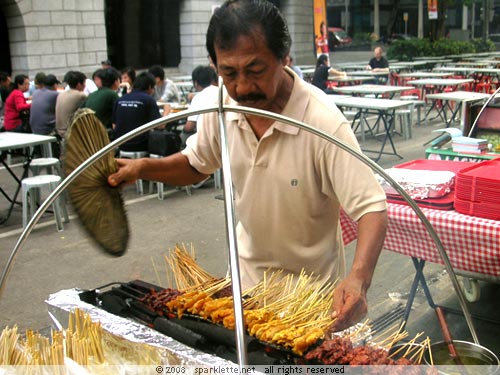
[337, 37]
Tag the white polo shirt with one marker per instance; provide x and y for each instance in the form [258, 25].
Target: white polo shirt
[289, 186]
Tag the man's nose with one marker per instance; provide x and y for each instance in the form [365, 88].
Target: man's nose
[243, 85]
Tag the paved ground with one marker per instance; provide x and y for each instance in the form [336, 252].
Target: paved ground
[51, 261]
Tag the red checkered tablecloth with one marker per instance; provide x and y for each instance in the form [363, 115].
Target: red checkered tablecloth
[472, 243]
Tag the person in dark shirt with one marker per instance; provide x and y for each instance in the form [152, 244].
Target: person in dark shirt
[379, 63]
[103, 100]
[323, 70]
[136, 109]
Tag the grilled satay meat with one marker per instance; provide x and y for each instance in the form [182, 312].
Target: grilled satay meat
[304, 342]
[340, 351]
[157, 300]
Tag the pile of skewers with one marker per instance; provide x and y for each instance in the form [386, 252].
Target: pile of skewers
[292, 313]
[83, 343]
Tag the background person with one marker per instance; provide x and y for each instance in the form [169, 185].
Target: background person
[289, 184]
[165, 89]
[16, 113]
[136, 109]
[379, 63]
[323, 71]
[295, 68]
[103, 100]
[43, 107]
[69, 100]
[205, 82]
[127, 82]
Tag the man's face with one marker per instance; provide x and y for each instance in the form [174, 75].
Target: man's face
[158, 81]
[251, 72]
[378, 53]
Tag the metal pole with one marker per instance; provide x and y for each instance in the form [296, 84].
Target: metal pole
[354, 152]
[231, 235]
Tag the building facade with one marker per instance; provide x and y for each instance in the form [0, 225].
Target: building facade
[55, 36]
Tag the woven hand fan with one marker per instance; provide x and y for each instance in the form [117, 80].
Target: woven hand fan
[99, 206]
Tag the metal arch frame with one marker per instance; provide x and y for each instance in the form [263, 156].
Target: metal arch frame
[229, 209]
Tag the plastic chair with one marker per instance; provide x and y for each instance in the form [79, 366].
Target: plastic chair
[31, 187]
[159, 185]
[135, 155]
[51, 165]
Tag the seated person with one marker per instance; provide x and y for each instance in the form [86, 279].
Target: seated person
[379, 63]
[136, 109]
[69, 100]
[165, 90]
[103, 100]
[43, 107]
[16, 108]
[205, 83]
[323, 70]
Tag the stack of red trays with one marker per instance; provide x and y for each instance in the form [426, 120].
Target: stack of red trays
[477, 190]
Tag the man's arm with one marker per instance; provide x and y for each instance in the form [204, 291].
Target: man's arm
[172, 170]
[349, 301]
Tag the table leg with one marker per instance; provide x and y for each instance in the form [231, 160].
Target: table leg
[13, 200]
[418, 279]
[388, 124]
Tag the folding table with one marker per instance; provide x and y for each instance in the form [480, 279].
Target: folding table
[471, 243]
[376, 90]
[458, 97]
[384, 108]
[20, 141]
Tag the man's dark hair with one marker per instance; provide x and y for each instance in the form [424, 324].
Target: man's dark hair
[19, 79]
[204, 75]
[144, 81]
[40, 79]
[73, 78]
[240, 17]
[4, 76]
[108, 76]
[157, 71]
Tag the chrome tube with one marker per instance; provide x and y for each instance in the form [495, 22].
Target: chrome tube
[245, 110]
[231, 238]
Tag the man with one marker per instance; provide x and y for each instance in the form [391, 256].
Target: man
[205, 82]
[165, 89]
[379, 63]
[43, 107]
[289, 184]
[69, 100]
[105, 64]
[294, 67]
[136, 109]
[103, 100]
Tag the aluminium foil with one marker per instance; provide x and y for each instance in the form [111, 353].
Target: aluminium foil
[419, 184]
[172, 352]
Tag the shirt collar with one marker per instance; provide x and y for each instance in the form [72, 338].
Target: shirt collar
[295, 108]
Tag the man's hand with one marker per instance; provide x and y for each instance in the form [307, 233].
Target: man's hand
[349, 303]
[127, 173]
